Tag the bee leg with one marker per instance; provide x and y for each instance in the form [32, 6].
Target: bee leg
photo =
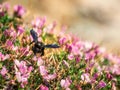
[42, 51]
[34, 50]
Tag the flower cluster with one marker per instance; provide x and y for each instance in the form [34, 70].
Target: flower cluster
[76, 65]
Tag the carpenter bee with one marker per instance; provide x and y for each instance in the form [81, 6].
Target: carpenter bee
[38, 46]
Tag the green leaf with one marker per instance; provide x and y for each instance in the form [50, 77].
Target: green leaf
[3, 38]
[17, 43]
[1, 65]
[4, 28]
[106, 62]
[5, 19]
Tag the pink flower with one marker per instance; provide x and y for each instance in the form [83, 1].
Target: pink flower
[1, 56]
[6, 57]
[66, 64]
[72, 48]
[4, 71]
[114, 59]
[6, 6]
[115, 69]
[7, 32]
[70, 56]
[39, 62]
[50, 28]
[43, 70]
[9, 43]
[90, 55]
[20, 30]
[15, 48]
[114, 86]
[19, 10]
[65, 83]
[43, 87]
[39, 22]
[30, 69]
[77, 58]
[50, 76]
[22, 72]
[85, 77]
[62, 40]
[25, 50]
[18, 76]
[109, 76]
[2, 13]
[21, 78]
[34, 58]
[22, 67]
[88, 45]
[101, 84]
[96, 75]
[100, 50]
[17, 63]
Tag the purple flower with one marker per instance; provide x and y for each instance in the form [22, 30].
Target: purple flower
[101, 84]
[43, 87]
[4, 71]
[2, 13]
[96, 75]
[69, 47]
[19, 11]
[109, 76]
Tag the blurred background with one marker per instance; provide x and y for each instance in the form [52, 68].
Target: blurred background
[92, 20]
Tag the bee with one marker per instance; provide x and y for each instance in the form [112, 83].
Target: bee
[38, 46]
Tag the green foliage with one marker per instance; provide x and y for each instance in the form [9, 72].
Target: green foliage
[5, 19]
[106, 61]
[17, 42]
[3, 39]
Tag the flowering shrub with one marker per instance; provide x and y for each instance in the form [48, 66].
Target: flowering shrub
[76, 65]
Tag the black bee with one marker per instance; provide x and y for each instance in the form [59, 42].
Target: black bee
[39, 46]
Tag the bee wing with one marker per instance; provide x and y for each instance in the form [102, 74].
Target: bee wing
[34, 35]
[52, 46]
